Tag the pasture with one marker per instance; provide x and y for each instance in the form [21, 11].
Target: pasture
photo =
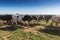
[33, 30]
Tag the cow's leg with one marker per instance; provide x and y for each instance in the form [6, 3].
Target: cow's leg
[27, 23]
[10, 21]
[51, 24]
[46, 21]
[14, 24]
[7, 21]
[56, 24]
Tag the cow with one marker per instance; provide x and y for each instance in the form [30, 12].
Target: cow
[34, 17]
[40, 17]
[9, 18]
[30, 17]
[55, 19]
[6, 17]
[14, 19]
[27, 18]
[20, 17]
[17, 18]
[47, 17]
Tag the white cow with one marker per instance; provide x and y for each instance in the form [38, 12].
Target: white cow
[20, 17]
[16, 18]
[55, 19]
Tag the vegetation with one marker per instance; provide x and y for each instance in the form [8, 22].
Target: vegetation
[11, 33]
[20, 35]
[41, 23]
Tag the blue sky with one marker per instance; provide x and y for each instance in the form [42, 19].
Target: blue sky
[30, 7]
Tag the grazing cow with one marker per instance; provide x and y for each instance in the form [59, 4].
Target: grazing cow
[14, 19]
[6, 17]
[27, 18]
[17, 18]
[55, 19]
[34, 17]
[20, 17]
[40, 17]
[47, 17]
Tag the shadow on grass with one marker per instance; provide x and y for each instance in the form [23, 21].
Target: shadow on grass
[10, 28]
[51, 30]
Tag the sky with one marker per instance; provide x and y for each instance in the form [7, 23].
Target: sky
[35, 7]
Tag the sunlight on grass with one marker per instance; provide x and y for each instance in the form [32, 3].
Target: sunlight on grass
[20, 35]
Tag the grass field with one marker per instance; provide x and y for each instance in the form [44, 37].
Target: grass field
[20, 34]
[29, 33]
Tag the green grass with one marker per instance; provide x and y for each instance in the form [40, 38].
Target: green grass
[42, 35]
[20, 35]
[51, 34]
[1, 35]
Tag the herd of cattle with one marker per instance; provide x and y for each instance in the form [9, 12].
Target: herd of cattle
[15, 18]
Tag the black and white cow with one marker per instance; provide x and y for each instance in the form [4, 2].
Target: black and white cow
[47, 17]
[27, 18]
[6, 17]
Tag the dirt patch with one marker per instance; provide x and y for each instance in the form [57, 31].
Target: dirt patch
[33, 29]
